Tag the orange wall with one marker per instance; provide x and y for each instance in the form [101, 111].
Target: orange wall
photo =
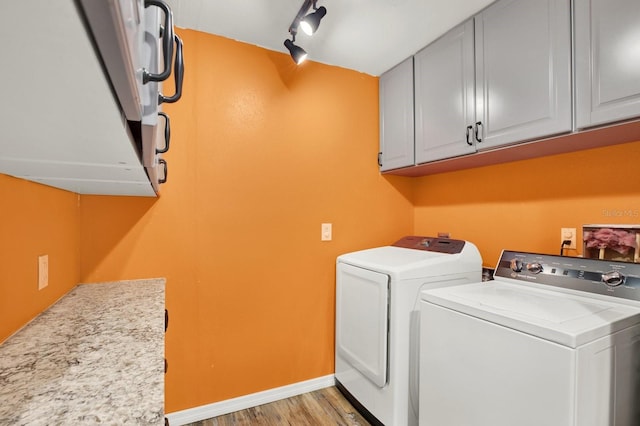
[35, 220]
[522, 205]
[262, 153]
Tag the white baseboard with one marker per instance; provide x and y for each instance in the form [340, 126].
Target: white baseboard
[243, 402]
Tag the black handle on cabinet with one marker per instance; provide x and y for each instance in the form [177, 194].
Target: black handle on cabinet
[469, 128]
[478, 126]
[166, 366]
[166, 320]
[380, 159]
[167, 43]
[167, 134]
[164, 166]
[178, 68]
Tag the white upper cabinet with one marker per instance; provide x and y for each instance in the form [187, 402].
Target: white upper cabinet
[500, 78]
[607, 57]
[61, 124]
[444, 96]
[396, 117]
[523, 71]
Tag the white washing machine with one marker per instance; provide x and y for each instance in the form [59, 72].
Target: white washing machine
[377, 320]
[552, 340]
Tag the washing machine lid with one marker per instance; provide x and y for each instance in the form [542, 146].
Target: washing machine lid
[568, 319]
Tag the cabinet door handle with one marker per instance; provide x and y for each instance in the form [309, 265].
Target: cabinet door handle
[469, 128]
[167, 134]
[178, 70]
[380, 159]
[167, 42]
[164, 166]
[478, 130]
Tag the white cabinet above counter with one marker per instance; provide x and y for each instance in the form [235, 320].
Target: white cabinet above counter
[61, 125]
[61, 122]
[498, 87]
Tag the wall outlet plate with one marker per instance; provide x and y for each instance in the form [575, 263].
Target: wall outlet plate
[43, 271]
[568, 234]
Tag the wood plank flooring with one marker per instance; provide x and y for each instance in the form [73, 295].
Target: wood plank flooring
[322, 407]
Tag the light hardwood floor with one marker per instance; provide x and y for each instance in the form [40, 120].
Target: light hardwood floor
[322, 407]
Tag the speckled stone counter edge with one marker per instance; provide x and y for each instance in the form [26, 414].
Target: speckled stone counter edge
[95, 356]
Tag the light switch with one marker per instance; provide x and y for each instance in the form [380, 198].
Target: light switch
[326, 232]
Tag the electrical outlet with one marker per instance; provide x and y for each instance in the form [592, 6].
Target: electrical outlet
[43, 271]
[326, 232]
[568, 234]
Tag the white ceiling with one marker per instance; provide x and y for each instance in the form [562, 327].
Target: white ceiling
[370, 36]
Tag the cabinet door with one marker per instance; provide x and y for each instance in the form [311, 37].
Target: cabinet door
[523, 70]
[444, 98]
[396, 117]
[607, 52]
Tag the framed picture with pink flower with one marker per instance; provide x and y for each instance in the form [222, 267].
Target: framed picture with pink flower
[612, 242]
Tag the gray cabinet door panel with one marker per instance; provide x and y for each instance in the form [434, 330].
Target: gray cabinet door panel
[607, 52]
[523, 70]
[444, 96]
[396, 117]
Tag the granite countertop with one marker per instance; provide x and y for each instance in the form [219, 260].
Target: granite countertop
[95, 357]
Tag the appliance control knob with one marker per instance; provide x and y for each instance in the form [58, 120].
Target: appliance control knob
[613, 278]
[534, 268]
[516, 265]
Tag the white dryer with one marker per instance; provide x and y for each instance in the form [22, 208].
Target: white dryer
[377, 320]
[552, 340]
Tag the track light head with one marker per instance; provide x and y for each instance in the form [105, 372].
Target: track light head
[311, 22]
[298, 54]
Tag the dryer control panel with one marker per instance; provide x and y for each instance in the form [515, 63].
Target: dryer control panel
[440, 245]
[606, 277]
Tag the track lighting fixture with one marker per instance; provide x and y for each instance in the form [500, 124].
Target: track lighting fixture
[309, 25]
[298, 54]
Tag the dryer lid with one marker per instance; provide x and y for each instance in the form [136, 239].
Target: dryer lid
[406, 263]
[568, 319]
